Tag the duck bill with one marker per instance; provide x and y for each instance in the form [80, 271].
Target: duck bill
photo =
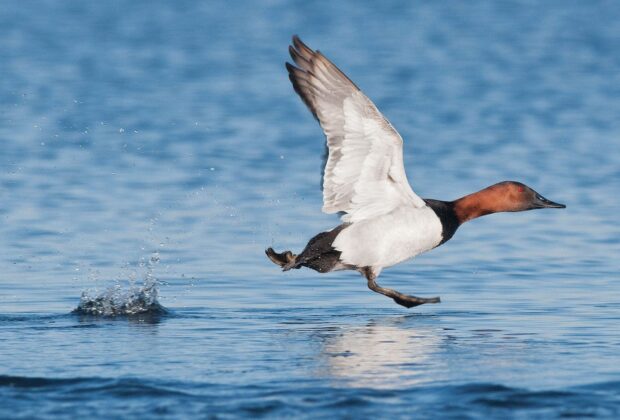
[541, 202]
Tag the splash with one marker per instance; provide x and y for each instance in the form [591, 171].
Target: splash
[125, 301]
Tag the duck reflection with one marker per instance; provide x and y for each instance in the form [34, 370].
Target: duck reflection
[387, 353]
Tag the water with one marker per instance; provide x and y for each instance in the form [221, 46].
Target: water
[140, 132]
[120, 301]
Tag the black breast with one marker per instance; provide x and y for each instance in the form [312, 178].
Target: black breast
[445, 211]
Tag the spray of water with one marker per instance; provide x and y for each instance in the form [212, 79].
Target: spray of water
[125, 301]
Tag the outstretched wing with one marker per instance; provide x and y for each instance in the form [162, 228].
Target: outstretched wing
[364, 175]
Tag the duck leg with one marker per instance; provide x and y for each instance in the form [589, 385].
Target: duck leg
[407, 301]
[281, 259]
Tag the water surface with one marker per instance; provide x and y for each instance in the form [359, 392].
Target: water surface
[162, 143]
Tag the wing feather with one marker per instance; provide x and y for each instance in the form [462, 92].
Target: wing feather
[364, 175]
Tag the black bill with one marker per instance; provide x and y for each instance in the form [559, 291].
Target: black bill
[542, 203]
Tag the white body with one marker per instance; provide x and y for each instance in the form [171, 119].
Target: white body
[389, 239]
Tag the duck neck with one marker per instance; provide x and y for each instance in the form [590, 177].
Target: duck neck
[474, 205]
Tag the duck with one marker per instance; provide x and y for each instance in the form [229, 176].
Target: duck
[384, 222]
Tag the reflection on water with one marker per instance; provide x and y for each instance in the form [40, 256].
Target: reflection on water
[152, 317]
[127, 127]
[386, 353]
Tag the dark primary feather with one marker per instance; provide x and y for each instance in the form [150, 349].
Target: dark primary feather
[311, 75]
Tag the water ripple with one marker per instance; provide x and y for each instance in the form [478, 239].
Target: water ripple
[309, 400]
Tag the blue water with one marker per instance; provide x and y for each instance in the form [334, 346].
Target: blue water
[150, 151]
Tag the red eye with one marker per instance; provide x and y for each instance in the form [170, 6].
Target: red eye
[521, 189]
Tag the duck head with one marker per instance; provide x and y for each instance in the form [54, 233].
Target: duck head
[507, 196]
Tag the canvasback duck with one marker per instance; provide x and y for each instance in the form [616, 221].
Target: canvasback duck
[384, 221]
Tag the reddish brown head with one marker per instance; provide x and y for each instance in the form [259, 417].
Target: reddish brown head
[504, 196]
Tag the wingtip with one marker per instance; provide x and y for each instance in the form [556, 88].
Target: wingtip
[293, 53]
[301, 46]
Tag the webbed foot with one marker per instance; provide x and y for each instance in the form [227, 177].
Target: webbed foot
[411, 301]
[281, 259]
[402, 299]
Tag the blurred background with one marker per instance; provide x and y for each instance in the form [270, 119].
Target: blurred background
[132, 130]
[130, 127]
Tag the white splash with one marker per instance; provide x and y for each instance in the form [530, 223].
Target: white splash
[119, 301]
